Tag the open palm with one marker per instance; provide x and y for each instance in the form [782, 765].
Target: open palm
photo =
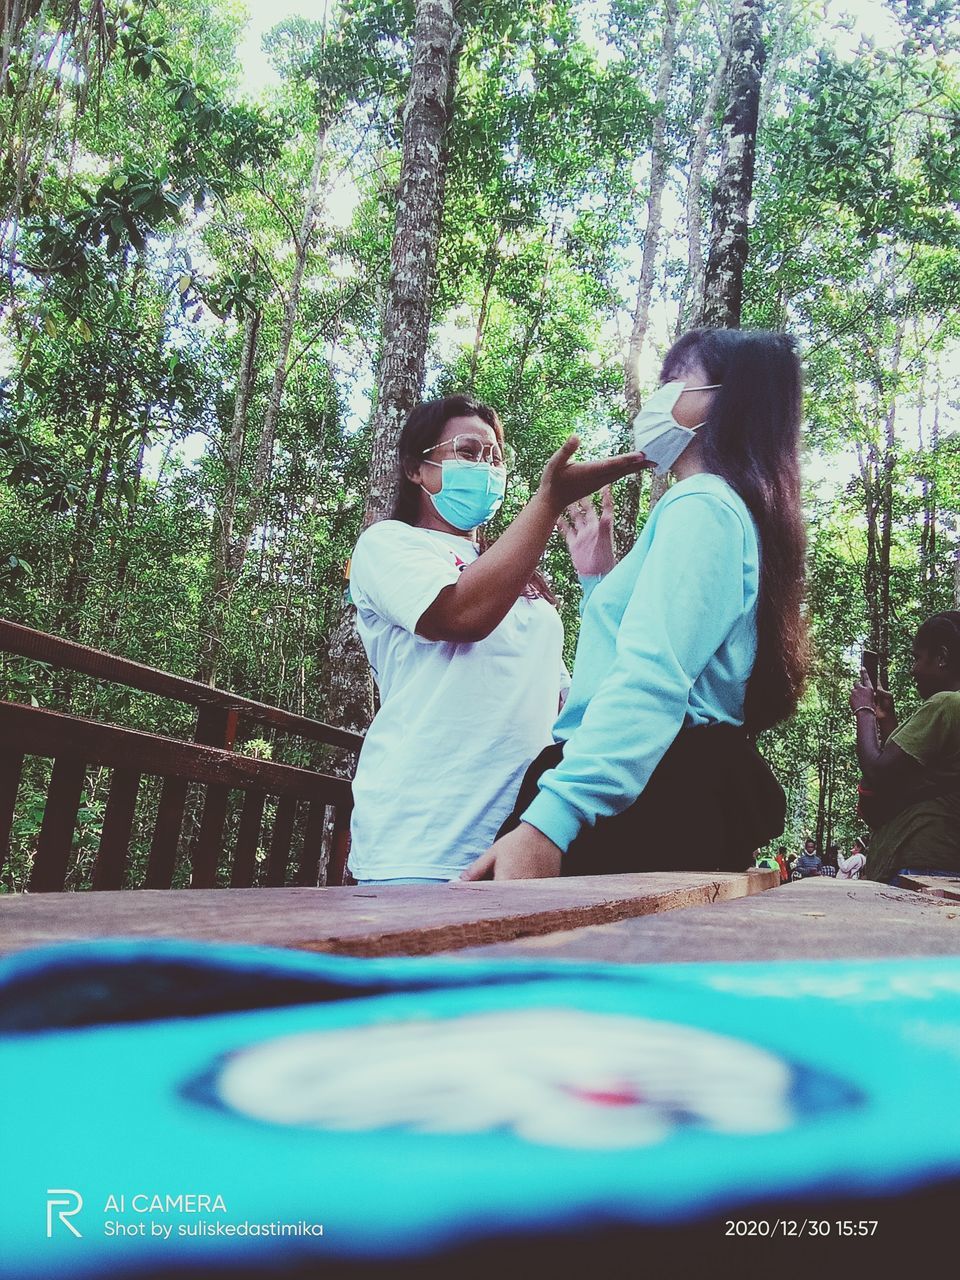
[589, 536]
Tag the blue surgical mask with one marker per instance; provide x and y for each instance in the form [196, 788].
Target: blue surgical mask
[470, 492]
[656, 431]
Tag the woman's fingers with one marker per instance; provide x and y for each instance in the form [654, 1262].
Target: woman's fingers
[562, 456]
[481, 868]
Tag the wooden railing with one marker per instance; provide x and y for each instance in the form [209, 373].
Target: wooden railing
[75, 743]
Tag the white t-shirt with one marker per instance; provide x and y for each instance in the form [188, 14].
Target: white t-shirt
[850, 868]
[458, 724]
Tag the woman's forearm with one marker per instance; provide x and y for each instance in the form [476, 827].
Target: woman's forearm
[869, 746]
[488, 589]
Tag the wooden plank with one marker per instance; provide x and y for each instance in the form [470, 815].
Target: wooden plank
[115, 836]
[41, 732]
[59, 820]
[248, 835]
[134, 675]
[937, 886]
[11, 765]
[166, 834]
[367, 920]
[280, 842]
[205, 855]
[813, 919]
[308, 872]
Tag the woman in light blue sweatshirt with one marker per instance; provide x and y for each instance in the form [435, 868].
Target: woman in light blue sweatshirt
[690, 646]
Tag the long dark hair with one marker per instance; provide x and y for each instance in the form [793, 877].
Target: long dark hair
[751, 438]
[422, 429]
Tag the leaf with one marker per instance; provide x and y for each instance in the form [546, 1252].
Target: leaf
[49, 325]
[119, 182]
[184, 284]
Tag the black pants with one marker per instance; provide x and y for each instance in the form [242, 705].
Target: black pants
[710, 802]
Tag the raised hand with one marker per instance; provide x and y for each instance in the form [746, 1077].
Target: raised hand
[564, 482]
[863, 693]
[589, 537]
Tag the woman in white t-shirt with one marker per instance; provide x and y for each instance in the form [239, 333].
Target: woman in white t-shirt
[465, 648]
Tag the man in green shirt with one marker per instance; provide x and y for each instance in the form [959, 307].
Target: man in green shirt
[911, 772]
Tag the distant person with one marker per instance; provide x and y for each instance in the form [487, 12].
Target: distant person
[809, 862]
[850, 868]
[829, 865]
[910, 792]
[781, 857]
[691, 645]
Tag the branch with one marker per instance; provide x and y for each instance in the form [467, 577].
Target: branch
[342, 301]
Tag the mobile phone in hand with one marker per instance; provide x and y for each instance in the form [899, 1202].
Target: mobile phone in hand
[871, 664]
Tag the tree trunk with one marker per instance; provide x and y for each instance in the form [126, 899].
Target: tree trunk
[692, 294]
[784, 21]
[869, 469]
[217, 608]
[888, 476]
[651, 240]
[406, 323]
[413, 256]
[491, 262]
[723, 281]
[262, 466]
[928, 539]
[218, 592]
[625, 529]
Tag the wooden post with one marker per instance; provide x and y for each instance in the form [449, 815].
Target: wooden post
[115, 836]
[11, 764]
[216, 727]
[59, 820]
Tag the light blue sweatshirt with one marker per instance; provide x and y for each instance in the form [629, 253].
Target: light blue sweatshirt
[668, 639]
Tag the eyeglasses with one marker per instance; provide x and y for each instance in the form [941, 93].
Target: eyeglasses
[473, 450]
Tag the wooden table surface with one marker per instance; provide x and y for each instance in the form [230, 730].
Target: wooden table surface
[632, 919]
[814, 919]
[367, 920]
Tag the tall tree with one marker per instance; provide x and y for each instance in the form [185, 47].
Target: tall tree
[231, 550]
[413, 257]
[626, 520]
[723, 280]
[406, 321]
